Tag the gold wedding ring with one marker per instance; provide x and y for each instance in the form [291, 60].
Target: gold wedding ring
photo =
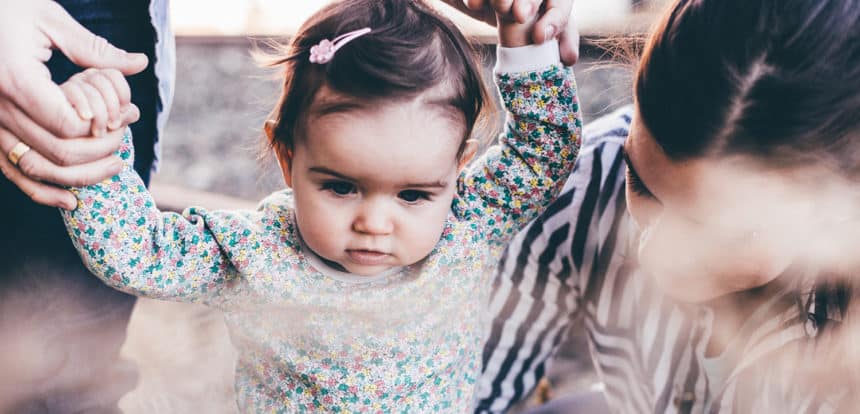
[17, 152]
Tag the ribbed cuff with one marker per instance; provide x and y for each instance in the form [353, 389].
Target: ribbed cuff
[527, 58]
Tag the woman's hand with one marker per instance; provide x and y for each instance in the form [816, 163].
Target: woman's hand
[515, 21]
[35, 117]
[554, 20]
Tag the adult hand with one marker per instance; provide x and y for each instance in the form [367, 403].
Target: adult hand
[33, 109]
[555, 21]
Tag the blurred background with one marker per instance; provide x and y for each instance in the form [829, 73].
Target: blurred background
[212, 156]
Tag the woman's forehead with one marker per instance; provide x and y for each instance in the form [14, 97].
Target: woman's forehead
[703, 189]
[670, 181]
[728, 195]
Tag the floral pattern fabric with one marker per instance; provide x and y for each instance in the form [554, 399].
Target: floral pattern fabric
[409, 342]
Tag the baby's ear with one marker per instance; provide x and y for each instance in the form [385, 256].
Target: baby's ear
[285, 160]
[282, 153]
[469, 150]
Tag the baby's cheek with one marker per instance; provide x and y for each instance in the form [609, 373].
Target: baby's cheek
[427, 229]
[321, 224]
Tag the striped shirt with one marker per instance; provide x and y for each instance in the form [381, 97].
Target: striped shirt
[577, 260]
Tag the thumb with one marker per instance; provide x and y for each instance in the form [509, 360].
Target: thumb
[568, 44]
[86, 49]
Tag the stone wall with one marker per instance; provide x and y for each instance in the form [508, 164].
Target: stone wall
[213, 137]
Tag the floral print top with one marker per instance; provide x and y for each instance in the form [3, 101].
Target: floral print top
[408, 341]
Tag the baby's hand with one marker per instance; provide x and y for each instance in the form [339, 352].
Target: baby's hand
[103, 97]
[516, 19]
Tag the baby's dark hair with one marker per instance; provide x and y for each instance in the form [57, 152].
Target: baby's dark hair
[410, 50]
[775, 79]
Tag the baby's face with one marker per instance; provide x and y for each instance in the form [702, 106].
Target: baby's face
[373, 187]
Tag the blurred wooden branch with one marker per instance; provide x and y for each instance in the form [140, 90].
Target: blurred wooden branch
[176, 198]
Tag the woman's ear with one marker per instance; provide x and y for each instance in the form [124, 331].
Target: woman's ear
[469, 150]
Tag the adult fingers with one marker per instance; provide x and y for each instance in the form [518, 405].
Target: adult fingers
[481, 13]
[502, 7]
[83, 47]
[28, 85]
[39, 192]
[568, 43]
[475, 4]
[57, 150]
[555, 17]
[38, 168]
[26, 81]
[35, 167]
[518, 11]
[524, 10]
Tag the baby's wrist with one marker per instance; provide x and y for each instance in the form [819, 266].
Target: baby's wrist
[514, 34]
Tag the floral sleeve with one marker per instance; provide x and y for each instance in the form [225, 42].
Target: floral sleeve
[516, 179]
[126, 241]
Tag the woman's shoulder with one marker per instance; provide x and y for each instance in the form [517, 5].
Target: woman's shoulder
[611, 129]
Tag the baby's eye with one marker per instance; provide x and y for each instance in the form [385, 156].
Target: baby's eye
[413, 196]
[339, 187]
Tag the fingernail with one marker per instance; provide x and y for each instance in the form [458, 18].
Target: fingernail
[70, 204]
[85, 114]
[139, 58]
[114, 125]
[549, 31]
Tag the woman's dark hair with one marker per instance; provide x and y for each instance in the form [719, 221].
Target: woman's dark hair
[777, 80]
[410, 50]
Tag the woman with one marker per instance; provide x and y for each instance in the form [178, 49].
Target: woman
[712, 274]
[62, 331]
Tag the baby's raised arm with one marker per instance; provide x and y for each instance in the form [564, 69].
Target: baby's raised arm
[517, 179]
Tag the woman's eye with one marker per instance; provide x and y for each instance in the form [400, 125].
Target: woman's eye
[339, 187]
[412, 196]
[637, 186]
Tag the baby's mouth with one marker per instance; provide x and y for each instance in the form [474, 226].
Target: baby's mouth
[367, 257]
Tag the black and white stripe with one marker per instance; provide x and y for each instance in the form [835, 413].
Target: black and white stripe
[575, 261]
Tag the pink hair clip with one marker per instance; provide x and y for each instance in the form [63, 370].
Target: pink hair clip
[324, 51]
